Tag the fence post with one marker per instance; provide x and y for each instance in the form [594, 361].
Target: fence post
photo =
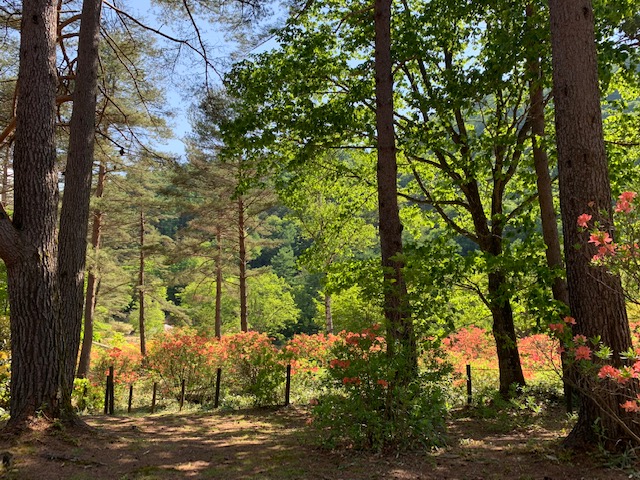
[130, 398]
[287, 390]
[218, 378]
[182, 394]
[469, 392]
[111, 390]
[153, 398]
[106, 395]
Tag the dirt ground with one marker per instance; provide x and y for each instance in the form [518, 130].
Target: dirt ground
[278, 444]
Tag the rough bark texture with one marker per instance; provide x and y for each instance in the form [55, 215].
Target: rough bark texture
[595, 297]
[74, 216]
[28, 245]
[92, 282]
[396, 307]
[242, 264]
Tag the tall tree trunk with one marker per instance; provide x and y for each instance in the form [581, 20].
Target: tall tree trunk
[74, 216]
[218, 319]
[242, 264]
[328, 316]
[5, 174]
[504, 333]
[402, 342]
[28, 243]
[595, 297]
[499, 299]
[548, 217]
[92, 282]
[141, 327]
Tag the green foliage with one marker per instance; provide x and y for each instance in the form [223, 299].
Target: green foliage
[351, 310]
[367, 408]
[270, 304]
[87, 396]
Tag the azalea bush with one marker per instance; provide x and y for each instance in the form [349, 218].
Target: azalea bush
[253, 366]
[309, 357]
[182, 355]
[366, 408]
[125, 359]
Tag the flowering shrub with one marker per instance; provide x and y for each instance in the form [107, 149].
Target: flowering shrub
[183, 355]
[309, 357]
[365, 407]
[126, 361]
[253, 366]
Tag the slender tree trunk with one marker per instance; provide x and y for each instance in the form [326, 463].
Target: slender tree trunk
[28, 243]
[328, 316]
[5, 174]
[143, 343]
[242, 263]
[218, 319]
[499, 299]
[548, 216]
[595, 297]
[396, 309]
[504, 334]
[74, 216]
[92, 282]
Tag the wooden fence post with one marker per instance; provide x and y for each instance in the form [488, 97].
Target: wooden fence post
[153, 398]
[469, 392]
[111, 390]
[217, 397]
[287, 390]
[182, 385]
[130, 398]
[106, 395]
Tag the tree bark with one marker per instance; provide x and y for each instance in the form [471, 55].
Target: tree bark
[74, 216]
[504, 333]
[92, 282]
[401, 343]
[242, 264]
[328, 316]
[141, 326]
[28, 243]
[595, 297]
[218, 317]
[548, 219]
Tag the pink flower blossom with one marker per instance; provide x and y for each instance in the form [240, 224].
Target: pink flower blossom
[580, 339]
[583, 220]
[557, 327]
[600, 238]
[569, 320]
[628, 196]
[583, 353]
[608, 371]
[630, 406]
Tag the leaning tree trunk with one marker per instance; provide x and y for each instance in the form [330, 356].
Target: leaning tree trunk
[595, 297]
[401, 342]
[28, 243]
[74, 216]
[84, 363]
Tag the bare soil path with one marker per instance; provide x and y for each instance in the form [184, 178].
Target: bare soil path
[278, 445]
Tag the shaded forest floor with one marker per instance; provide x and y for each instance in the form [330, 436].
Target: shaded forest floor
[278, 444]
